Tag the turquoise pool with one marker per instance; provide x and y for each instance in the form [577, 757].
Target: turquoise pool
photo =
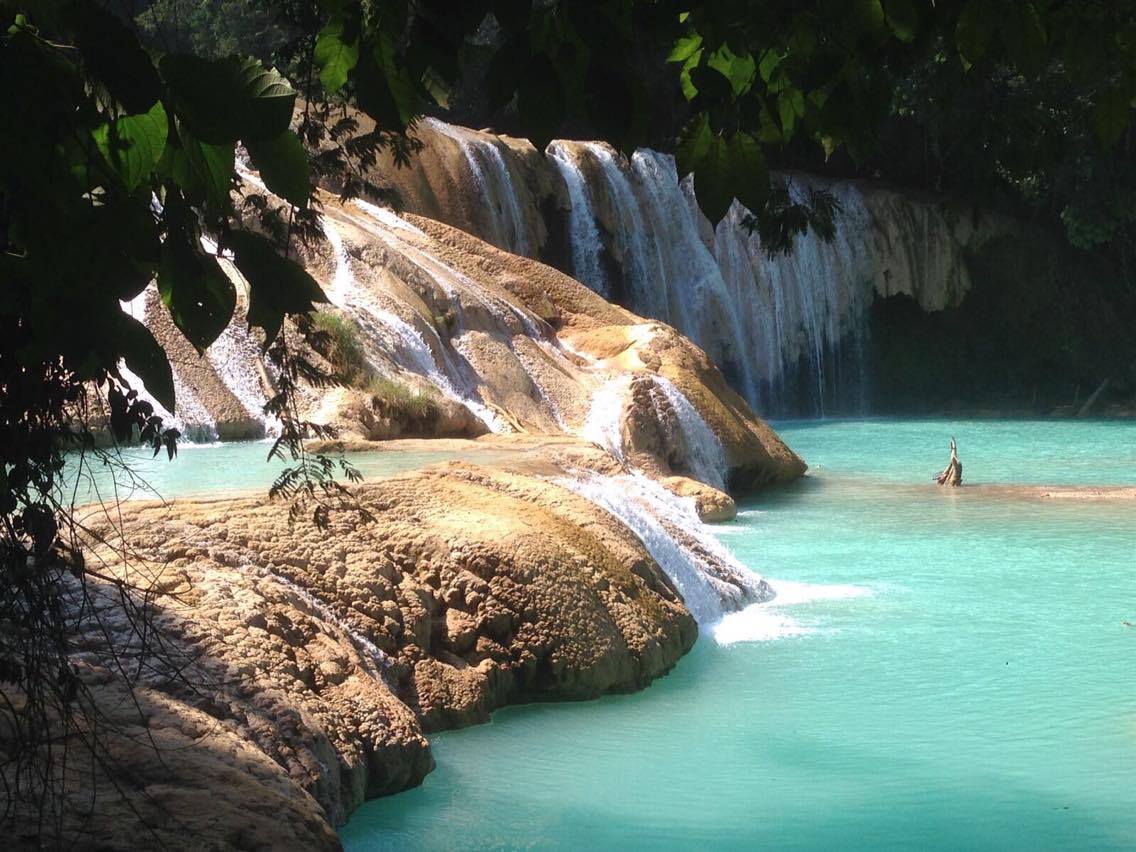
[941, 670]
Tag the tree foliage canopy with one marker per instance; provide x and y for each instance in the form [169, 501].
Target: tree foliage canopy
[118, 156]
[124, 124]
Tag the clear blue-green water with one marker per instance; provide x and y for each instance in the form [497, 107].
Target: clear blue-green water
[240, 467]
[945, 670]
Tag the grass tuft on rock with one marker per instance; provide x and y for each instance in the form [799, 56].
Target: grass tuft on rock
[341, 343]
[390, 396]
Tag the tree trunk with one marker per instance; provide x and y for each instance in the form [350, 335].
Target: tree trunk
[1092, 400]
[952, 475]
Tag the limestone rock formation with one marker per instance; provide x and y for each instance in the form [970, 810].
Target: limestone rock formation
[320, 658]
[613, 343]
[713, 506]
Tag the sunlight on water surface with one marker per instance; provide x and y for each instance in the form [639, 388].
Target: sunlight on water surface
[943, 670]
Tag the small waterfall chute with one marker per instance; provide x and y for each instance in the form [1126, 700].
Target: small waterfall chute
[490, 174]
[705, 453]
[584, 235]
[711, 581]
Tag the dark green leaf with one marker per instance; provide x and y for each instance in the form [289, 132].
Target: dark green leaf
[739, 70]
[902, 18]
[201, 169]
[684, 48]
[146, 359]
[769, 62]
[283, 166]
[616, 104]
[711, 84]
[693, 143]
[383, 89]
[689, 90]
[112, 54]
[750, 173]
[974, 30]
[133, 145]
[127, 248]
[225, 100]
[277, 285]
[335, 54]
[1024, 35]
[790, 107]
[723, 168]
[197, 292]
[714, 180]
[869, 14]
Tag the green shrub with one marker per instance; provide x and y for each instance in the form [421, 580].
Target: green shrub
[339, 341]
[390, 396]
[342, 346]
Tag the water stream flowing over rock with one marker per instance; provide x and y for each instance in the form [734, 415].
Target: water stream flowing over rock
[576, 565]
[788, 331]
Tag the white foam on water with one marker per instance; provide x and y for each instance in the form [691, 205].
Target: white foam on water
[791, 592]
[757, 623]
[767, 621]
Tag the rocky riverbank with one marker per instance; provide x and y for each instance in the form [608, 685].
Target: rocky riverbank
[312, 663]
[296, 671]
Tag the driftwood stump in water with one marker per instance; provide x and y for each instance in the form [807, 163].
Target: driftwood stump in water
[952, 475]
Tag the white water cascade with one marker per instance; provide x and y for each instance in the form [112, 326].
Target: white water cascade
[492, 177]
[392, 336]
[711, 581]
[603, 425]
[192, 419]
[584, 235]
[235, 355]
[705, 454]
[789, 332]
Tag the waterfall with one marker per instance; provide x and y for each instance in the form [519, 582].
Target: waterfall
[711, 581]
[668, 271]
[805, 308]
[705, 454]
[513, 239]
[789, 332]
[584, 235]
[235, 356]
[192, 419]
[603, 425]
[491, 175]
